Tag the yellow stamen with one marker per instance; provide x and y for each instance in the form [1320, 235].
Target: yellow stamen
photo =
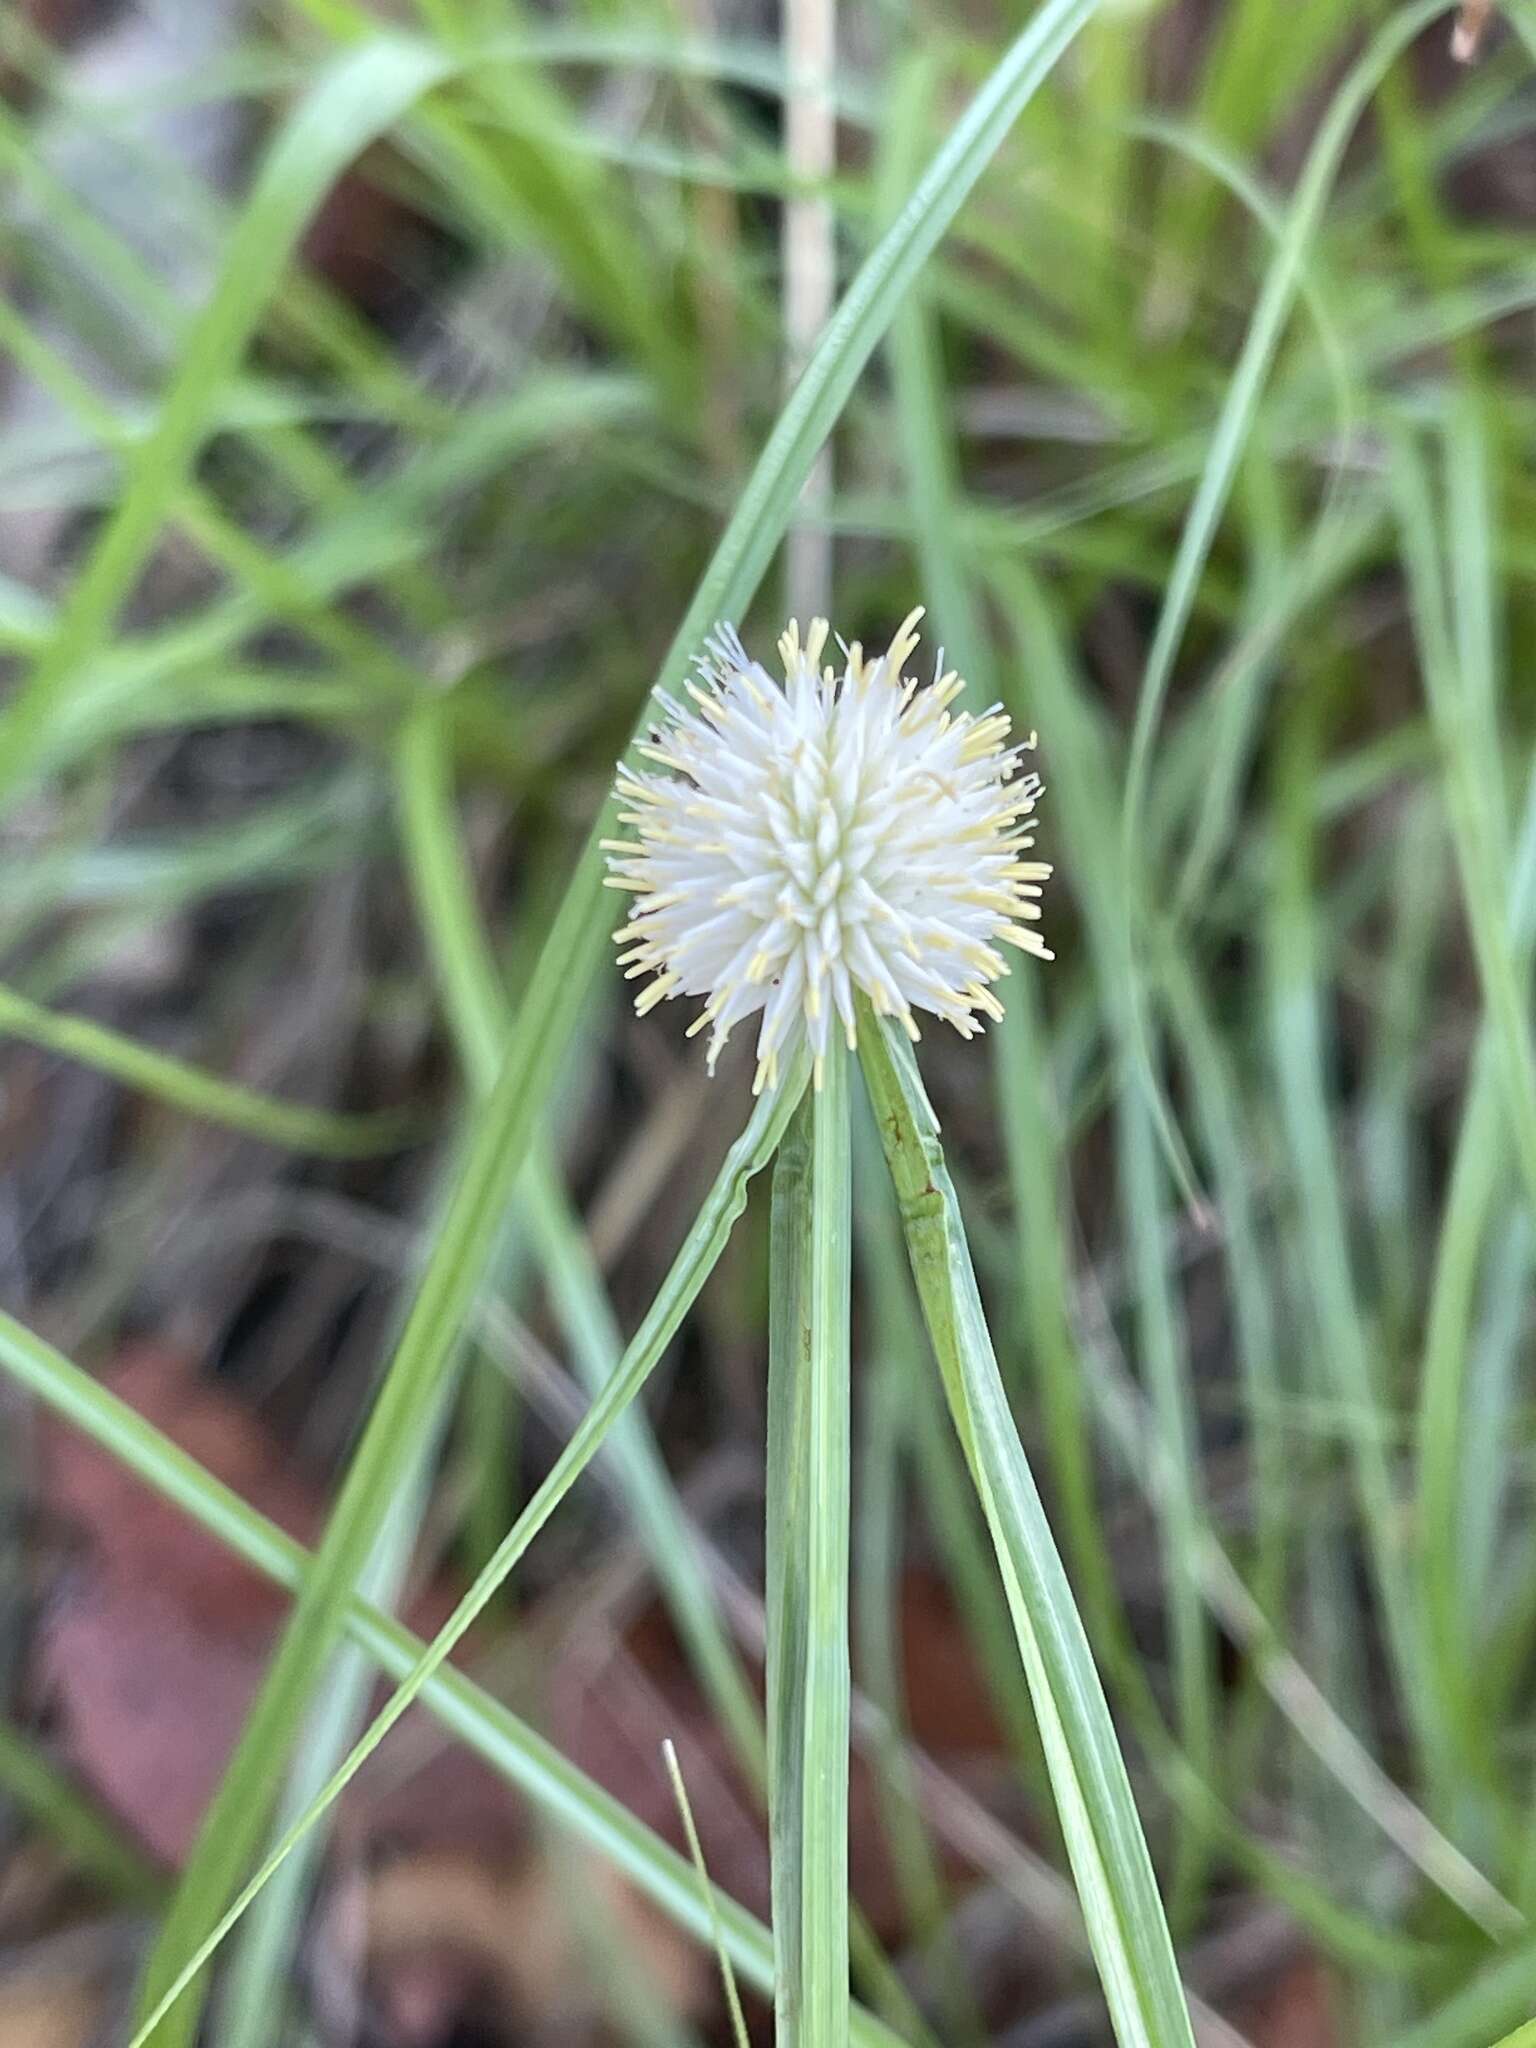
[658, 991]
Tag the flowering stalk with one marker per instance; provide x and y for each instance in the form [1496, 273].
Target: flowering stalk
[807, 1560]
[834, 856]
[846, 840]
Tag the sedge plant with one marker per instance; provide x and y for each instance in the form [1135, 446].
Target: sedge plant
[1371, 447]
[833, 856]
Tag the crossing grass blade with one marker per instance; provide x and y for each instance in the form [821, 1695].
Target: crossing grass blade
[555, 1786]
[697, 1258]
[262, 1964]
[480, 1016]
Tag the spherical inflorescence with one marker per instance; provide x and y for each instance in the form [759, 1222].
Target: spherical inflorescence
[844, 832]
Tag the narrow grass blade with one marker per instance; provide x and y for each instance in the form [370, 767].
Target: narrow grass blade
[592, 1336]
[88, 1836]
[261, 1972]
[707, 1894]
[808, 1458]
[1456, 655]
[325, 1133]
[481, 1018]
[1300, 1053]
[1108, 1852]
[358, 99]
[1283, 280]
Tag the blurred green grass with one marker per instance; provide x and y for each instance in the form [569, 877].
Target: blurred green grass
[1206, 436]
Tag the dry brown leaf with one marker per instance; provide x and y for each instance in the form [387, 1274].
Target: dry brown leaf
[443, 1940]
[948, 1707]
[44, 2011]
[131, 1531]
[442, 1910]
[152, 1649]
[616, 1702]
[1296, 2009]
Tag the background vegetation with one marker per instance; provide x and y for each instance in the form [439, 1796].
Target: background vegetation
[379, 385]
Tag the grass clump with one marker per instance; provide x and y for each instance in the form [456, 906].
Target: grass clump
[353, 502]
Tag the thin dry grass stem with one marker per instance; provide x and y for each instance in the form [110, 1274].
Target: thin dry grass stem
[810, 272]
[1471, 23]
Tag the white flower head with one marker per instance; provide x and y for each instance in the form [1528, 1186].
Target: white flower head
[842, 832]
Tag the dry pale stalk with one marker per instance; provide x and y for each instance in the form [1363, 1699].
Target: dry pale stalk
[810, 48]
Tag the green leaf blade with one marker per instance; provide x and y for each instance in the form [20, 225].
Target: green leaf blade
[1108, 1853]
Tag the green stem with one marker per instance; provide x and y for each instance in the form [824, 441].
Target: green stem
[808, 1506]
